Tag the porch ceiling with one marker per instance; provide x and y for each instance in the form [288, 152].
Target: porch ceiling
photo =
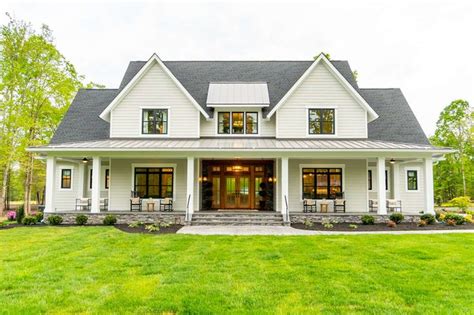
[240, 144]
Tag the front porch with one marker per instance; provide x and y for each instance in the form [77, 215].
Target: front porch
[202, 183]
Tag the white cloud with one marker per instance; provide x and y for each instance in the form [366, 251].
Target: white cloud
[423, 47]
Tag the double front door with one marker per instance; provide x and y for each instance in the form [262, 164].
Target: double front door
[237, 191]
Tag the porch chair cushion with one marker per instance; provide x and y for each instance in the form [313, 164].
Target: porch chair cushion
[309, 205]
[166, 204]
[82, 203]
[135, 204]
[339, 205]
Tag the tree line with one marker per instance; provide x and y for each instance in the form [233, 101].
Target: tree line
[37, 85]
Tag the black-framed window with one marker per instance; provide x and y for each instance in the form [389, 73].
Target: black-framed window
[223, 123]
[370, 180]
[107, 178]
[154, 182]
[321, 121]
[321, 183]
[386, 179]
[155, 121]
[66, 178]
[237, 123]
[412, 179]
[251, 122]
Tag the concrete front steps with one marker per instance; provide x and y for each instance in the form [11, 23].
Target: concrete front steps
[237, 218]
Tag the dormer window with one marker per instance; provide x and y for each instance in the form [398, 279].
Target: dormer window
[237, 123]
[155, 121]
[321, 121]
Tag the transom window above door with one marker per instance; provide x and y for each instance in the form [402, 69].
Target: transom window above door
[238, 123]
[321, 121]
[155, 121]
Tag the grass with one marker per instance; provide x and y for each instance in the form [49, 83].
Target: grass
[103, 270]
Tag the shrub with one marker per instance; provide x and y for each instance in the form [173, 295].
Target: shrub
[20, 213]
[163, 224]
[454, 216]
[110, 219]
[37, 215]
[396, 217]
[55, 220]
[81, 219]
[11, 215]
[468, 218]
[327, 223]
[367, 219]
[422, 223]
[135, 224]
[152, 228]
[29, 220]
[308, 223]
[451, 222]
[428, 218]
[353, 226]
[391, 224]
[461, 202]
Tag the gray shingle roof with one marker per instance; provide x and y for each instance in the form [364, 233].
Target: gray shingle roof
[279, 75]
[396, 121]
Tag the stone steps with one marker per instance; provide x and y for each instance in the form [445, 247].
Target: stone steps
[221, 218]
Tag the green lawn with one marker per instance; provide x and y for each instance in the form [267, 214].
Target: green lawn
[104, 270]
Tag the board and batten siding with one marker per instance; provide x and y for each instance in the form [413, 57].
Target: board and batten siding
[121, 183]
[321, 89]
[266, 126]
[354, 183]
[154, 90]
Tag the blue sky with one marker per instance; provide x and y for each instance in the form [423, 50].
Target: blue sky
[423, 47]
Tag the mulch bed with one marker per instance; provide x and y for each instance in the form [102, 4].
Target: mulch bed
[383, 227]
[172, 229]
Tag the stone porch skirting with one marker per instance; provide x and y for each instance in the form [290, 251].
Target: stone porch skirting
[346, 217]
[122, 217]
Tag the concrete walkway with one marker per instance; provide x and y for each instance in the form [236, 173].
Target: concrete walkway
[286, 230]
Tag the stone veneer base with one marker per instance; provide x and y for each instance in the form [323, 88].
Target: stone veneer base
[122, 218]
[347, 217]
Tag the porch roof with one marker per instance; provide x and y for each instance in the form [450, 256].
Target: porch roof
[239, 144]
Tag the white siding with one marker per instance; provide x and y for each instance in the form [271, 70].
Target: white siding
[354, 183]
[155, 89]
[321, 88]
[412, 201]
[121, 183]
[209, 127]
[65, 199]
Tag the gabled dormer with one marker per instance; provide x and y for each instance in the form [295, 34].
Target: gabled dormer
[153, 104]
[322, 104]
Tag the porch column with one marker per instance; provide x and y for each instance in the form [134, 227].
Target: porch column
[429, 195]
[381, 194]
[81, 178]
[396, 181]
[190, 185]
[95, 194]
[50, 184]
[284, 184]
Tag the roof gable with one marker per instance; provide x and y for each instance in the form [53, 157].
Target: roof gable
[372, 115]
[123, 91]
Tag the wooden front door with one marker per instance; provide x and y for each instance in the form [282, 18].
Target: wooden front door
[231, 184]
[237, 192]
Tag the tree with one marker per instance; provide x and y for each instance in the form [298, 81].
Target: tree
[323, 53]
[454, 176]
[37, 86]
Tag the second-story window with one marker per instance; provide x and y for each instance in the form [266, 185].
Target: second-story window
[321, 121]
[155, 121]
[237, 123]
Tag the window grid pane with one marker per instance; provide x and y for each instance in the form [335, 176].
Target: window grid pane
[321, 121]
[154, 182]
[66, 178]
[155, 121]
[322, 183]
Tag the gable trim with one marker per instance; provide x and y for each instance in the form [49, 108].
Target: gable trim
[105, 115]
[322, 58]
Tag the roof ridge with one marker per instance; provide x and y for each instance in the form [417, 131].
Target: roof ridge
[379, 88]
